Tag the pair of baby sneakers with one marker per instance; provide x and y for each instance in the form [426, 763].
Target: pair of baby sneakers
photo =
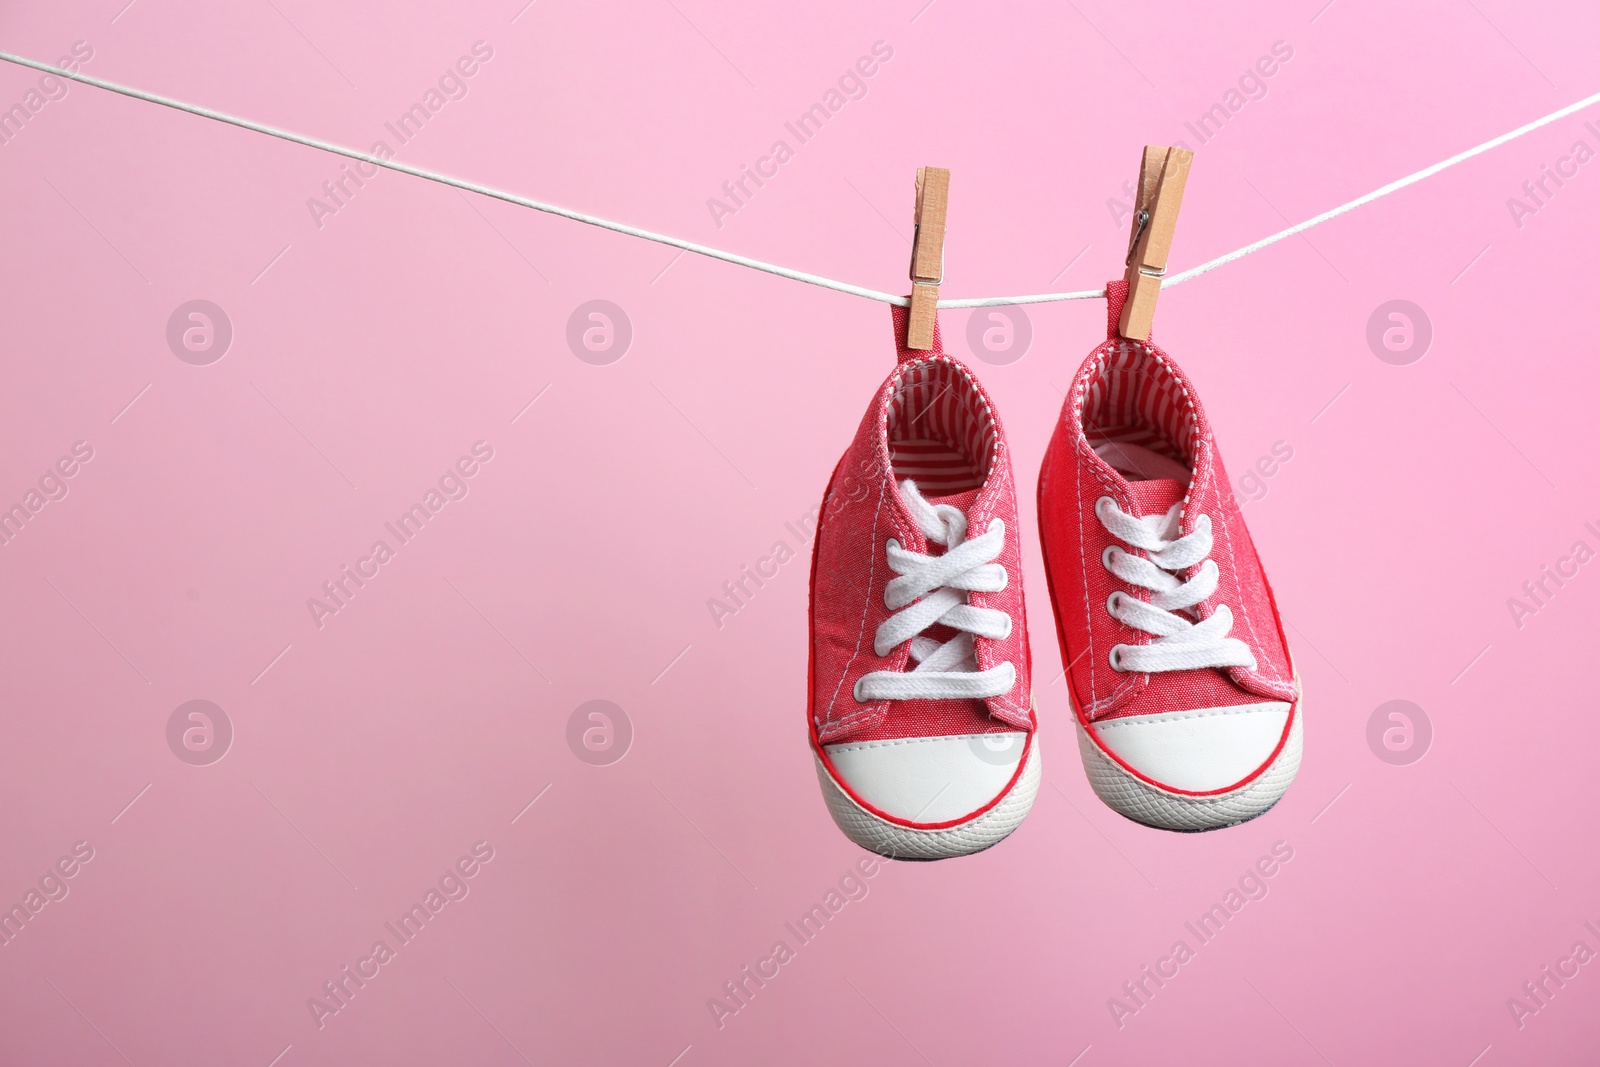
[922, 717]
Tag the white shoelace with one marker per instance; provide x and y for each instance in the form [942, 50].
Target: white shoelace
[931, 590]
[1180, 644]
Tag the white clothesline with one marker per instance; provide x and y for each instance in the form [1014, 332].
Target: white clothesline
[773, 268]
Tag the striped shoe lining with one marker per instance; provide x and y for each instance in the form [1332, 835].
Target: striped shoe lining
[1133, 398]
[941, 433]
[938, 469]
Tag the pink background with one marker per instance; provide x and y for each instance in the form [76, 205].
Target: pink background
[368, 354]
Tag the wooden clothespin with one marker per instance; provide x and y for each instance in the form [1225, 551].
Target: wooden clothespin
[1161, 180]
[927, 255]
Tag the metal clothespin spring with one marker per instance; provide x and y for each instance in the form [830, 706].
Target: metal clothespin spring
[1140, 221]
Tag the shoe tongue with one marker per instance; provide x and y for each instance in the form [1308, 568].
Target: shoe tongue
[962, 501]
[1154, 496]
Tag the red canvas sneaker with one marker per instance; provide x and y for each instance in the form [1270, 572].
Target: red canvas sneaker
[1187, 703]
[921, 713]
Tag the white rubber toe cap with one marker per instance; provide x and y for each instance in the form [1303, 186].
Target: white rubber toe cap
[929, 780]
[1201, 751]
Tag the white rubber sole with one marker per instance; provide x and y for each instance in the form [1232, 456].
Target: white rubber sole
[1151, 805]
[898, 842]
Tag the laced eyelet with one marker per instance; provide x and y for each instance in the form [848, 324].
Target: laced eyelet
[946, 669]
[1157, 566]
